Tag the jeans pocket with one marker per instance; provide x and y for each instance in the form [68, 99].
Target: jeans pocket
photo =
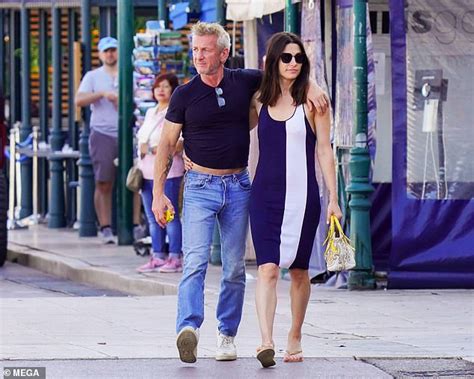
[195, 183]
[244, 183]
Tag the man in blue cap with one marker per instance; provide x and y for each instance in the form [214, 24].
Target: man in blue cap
[99, 90]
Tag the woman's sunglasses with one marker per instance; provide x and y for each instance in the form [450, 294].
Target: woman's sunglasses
[287, 57]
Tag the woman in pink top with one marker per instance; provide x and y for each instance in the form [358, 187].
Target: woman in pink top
[148, 136]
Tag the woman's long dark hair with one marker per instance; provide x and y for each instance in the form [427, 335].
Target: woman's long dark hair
[270, 89]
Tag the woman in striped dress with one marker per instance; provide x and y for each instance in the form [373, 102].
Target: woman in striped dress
[284, 202]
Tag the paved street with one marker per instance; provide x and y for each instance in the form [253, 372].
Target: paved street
[249, 368]
[81, 330]
[18, 281]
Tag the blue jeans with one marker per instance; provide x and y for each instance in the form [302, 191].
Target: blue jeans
[207, 198]
[173, 229]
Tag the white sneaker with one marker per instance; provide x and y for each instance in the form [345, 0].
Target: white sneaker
[107, 236]
[226, 350]
[187, 342]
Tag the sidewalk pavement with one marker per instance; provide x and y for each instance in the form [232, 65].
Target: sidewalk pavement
[339, 323]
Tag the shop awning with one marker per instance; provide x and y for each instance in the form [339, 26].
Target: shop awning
[244, 10]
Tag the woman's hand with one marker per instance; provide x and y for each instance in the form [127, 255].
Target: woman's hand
[333, 209]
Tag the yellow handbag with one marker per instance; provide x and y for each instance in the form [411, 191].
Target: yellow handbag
[339, 253]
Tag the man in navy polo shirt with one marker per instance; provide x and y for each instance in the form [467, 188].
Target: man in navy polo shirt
[212, 112]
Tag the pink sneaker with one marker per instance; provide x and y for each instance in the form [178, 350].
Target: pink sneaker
[172, 265]
[153, 265]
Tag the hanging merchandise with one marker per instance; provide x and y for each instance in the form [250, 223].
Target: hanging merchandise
[144, 40]
[171, 53]
[179, 14]
[157, 50]
[146, 67]
[145, 53]
[208, 11]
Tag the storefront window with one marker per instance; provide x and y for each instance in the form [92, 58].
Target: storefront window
[440, 99]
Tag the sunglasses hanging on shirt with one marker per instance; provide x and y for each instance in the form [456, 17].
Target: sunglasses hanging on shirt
[220, 99]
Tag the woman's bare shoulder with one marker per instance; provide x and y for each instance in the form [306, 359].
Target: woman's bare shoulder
[255, 96]
[255, 102]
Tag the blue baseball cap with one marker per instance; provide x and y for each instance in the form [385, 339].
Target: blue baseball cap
[107, 43]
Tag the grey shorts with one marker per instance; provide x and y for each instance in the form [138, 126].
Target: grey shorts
[103, 150]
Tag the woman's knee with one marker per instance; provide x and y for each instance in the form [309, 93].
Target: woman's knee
[268, 272]
[299, 275]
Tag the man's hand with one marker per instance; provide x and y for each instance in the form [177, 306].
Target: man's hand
[188, 163]
[333, 209]
[112, 97]
[318, 97]
[159, 206]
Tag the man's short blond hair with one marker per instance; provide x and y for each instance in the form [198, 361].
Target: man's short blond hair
[212, 29]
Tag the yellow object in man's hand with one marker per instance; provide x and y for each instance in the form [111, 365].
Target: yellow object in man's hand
[169, 216]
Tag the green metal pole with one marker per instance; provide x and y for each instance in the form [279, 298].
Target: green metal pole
[2, 53]
[291, 17]
[163, 12]
[25, 129]
[72, 37]
[87, 217]
[15, 93]
[362, 276]
[125, 198]
[71, 165]
[3, 94]
[43, 108]
[57, 217]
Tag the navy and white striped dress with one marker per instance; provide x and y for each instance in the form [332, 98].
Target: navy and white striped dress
[284, 202]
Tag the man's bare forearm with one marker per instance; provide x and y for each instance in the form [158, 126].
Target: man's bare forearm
[163, 163]
[84, 99]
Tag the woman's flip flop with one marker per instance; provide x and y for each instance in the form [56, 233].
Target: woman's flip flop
[293, 357]
[266, 355]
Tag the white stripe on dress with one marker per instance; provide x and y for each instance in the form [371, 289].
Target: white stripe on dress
[296, 188]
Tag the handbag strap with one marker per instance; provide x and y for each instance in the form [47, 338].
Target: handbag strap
[152, 130]
[149, 135]
[331, 230]
[339, 228]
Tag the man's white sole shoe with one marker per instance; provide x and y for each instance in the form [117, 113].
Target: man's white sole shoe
[226, 350]
[226, 357]
[186, 342]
